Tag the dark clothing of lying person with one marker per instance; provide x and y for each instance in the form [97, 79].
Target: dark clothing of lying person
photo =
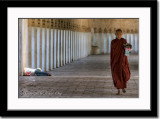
[35, 72]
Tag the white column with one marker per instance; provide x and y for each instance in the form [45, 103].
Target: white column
[79, 45]
[61, 49]
[75, 48]
[38, 46]
[105, 42]
[112, 36]
[133, 46]
[29, 47]
[43, 49]
[58, 48]
[71, 47]
[110, 39]
[94, 39]
[33, 37]
[55, 48]
[64, 46]
[73, 42]
[102, 43]
[51, 49]
[127, 38]
[40, 52]
[130, 38]
[69, 39]
[20, 51]
[137, 42]
[99, 44]
[87, 44]
[82, 44]
[47, 49]
[123, 36]
[90, 43]
[35, 47]
[23, 42]
[76, 45]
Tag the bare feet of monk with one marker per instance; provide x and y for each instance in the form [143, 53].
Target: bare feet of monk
[118, 92]
[123, 90]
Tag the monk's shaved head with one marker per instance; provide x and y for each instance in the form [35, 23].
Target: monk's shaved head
[118, 30]
[118, 33]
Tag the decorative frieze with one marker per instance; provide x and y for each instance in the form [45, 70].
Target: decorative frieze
[43, 23]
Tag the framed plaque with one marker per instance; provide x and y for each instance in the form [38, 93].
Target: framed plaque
[145, 105]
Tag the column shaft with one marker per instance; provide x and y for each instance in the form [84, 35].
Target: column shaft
[47, 49]
[75, 45]
[61, 39]
[58, 48]
[38, 47]
[23, 40]
[73, 42]
[64, 46]
[79, 45]
[69, 39]
[55, 48]
[71, 58]
[43, 49]
[51, 49]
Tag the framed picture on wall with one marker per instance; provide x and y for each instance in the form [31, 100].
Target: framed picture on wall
[74, 62]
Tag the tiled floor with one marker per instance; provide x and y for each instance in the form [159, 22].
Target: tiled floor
[89, 77]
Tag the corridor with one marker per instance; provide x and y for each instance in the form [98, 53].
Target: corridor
[88, 77]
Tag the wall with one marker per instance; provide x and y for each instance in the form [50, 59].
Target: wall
[103, 41]
[103, 32]
[52, 43]
[43, 46]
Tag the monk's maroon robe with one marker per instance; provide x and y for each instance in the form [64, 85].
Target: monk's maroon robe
[119, 64]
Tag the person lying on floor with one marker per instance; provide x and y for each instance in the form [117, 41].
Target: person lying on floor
[34, 72]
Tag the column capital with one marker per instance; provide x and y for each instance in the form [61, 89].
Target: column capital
[43, 23]
[105, 30]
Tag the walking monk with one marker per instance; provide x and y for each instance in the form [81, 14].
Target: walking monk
[119, 63]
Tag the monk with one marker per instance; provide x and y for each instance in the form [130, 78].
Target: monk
[119, 63]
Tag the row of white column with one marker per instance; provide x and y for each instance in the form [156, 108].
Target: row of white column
[103, 41]
[47, 48]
